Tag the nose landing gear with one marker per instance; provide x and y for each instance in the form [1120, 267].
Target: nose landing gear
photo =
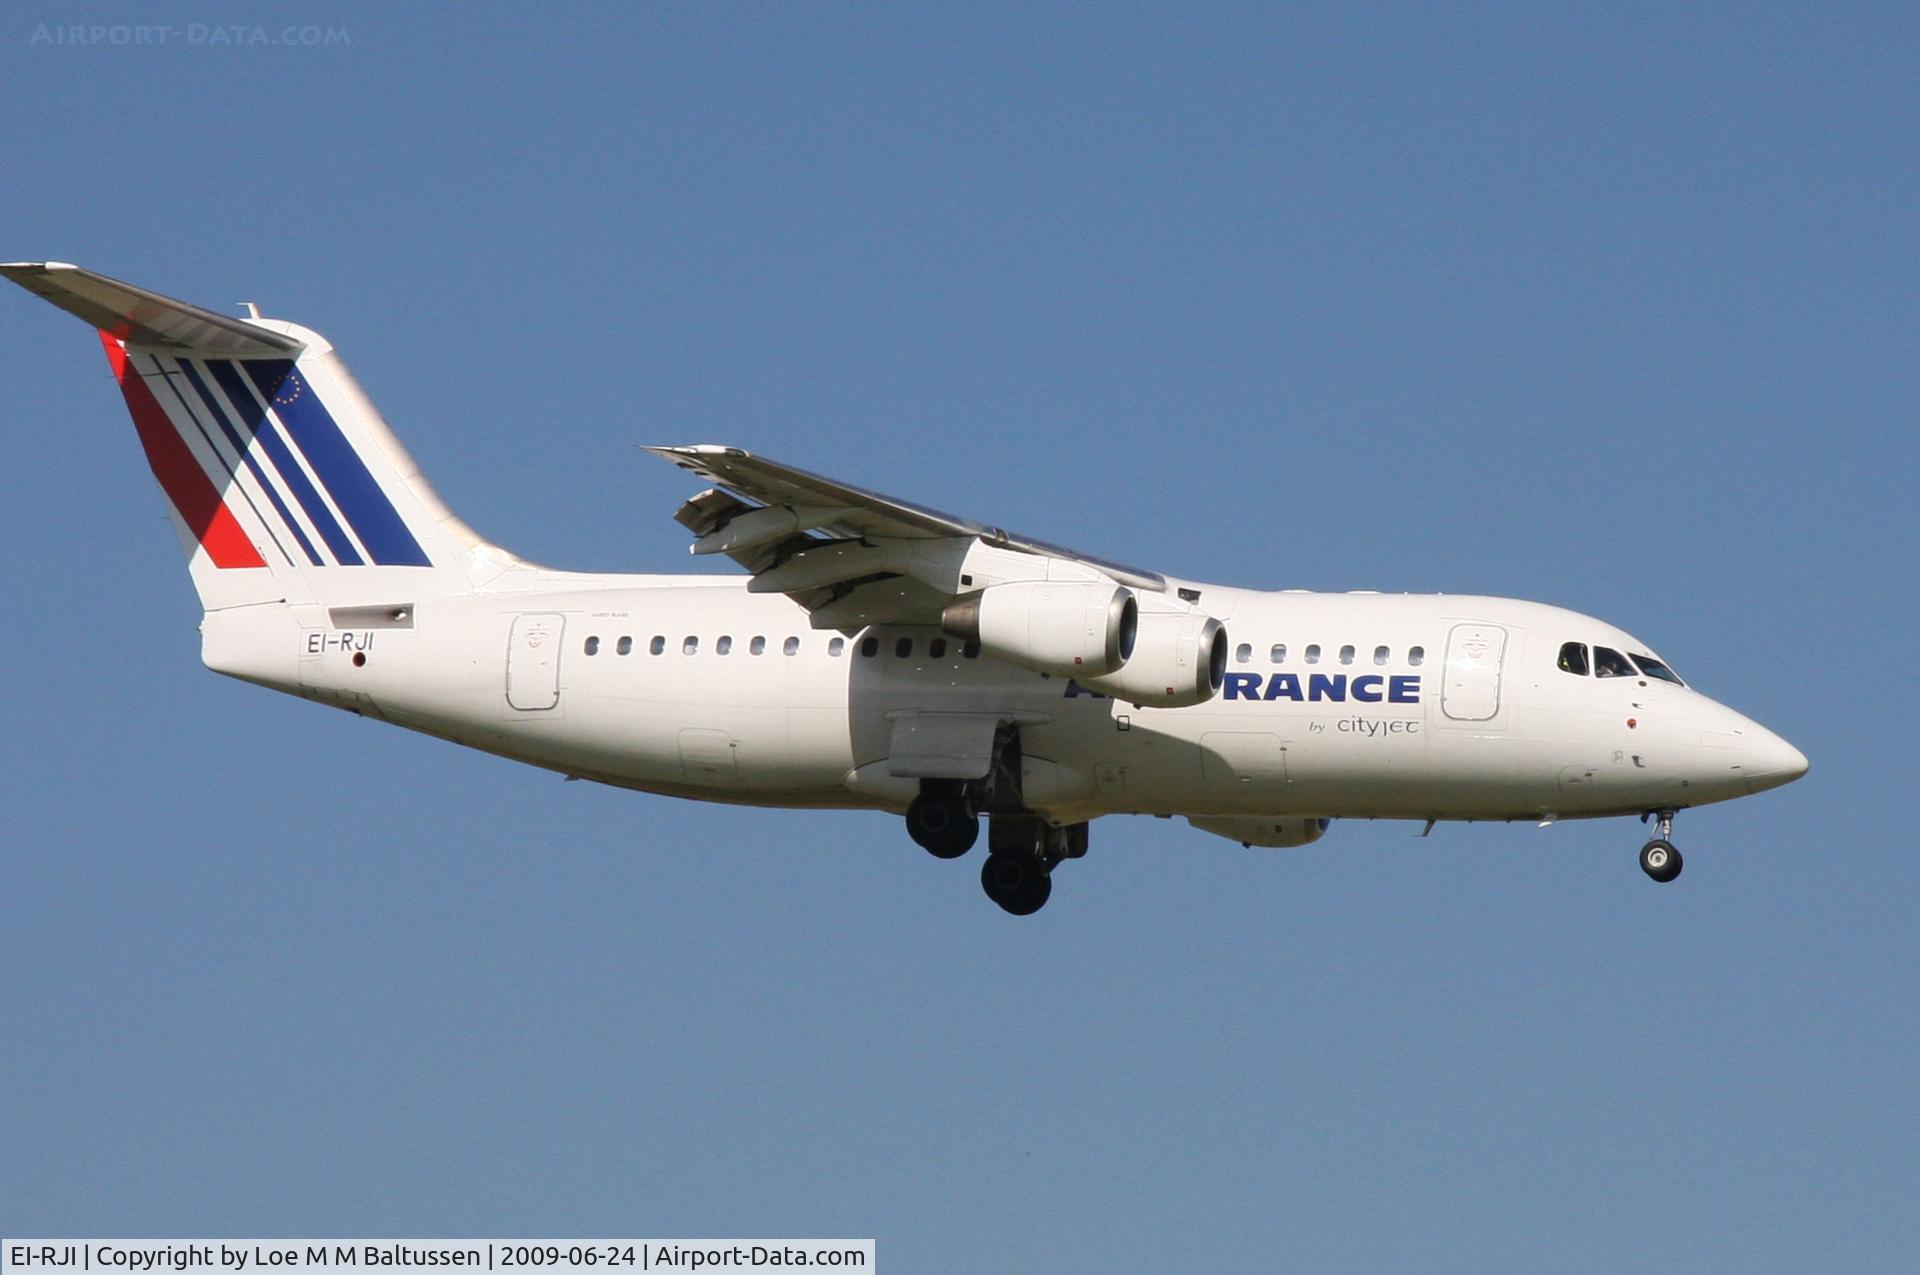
[1658, 858]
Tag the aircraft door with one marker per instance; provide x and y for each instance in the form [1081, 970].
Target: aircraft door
[533, 661]
[707, 757]
[1471, 689]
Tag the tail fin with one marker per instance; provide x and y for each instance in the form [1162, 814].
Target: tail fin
[283, 481]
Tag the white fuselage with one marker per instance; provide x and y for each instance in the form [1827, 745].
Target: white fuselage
[878, 653]
[1335, 705]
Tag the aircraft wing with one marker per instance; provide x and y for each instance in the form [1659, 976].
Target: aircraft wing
[854, 557]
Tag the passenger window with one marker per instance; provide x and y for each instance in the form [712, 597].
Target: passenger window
[903, 648]
[1655, 669]
[1346, 655]
[1279, 653]
[1573, 658]
[593, 646]
[658, 646]
[724, 646]
[757, 647]
[835, 647]
[937, 648]
[1416, 655]
[623, 647]
[790, 647]
[690, 646]
[971, 650]
[1381, 655]
[870, 647]
[1608, 662]
[1313, 653]
[1242, 653]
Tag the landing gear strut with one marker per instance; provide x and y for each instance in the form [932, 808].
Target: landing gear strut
[1658, 858]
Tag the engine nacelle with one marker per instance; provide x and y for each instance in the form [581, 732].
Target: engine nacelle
[1263, 830]
[1075, 630]
[1179, 659]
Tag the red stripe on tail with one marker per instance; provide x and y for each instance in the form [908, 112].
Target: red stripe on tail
[181, 477]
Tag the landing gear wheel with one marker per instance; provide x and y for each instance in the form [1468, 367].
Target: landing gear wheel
[1016, 882]
[942, 825]
[1659, 860]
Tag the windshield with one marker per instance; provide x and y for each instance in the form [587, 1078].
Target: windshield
[1655, 669]
[1608, 662]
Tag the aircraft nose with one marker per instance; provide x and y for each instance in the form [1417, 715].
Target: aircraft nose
[1771, 760]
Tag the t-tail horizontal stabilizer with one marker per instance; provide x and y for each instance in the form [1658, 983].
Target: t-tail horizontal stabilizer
[135, 316]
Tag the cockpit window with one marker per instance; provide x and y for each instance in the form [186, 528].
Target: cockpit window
[1655, 669]
[1573, 658]
[1608, 662]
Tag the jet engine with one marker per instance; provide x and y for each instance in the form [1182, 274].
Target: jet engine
[1263, 830]
[1179, 659]
[1075, 630]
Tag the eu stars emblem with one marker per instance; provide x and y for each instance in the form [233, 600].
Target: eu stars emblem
[290, 389]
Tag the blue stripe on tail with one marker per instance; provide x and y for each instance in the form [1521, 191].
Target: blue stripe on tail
[219, 414]
[337, 464]
[254, 417]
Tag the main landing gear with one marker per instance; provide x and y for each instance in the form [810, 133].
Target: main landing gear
[1022, 848]
[1017, 882]
[1023, 852]
[1658, 858]
[941, 819]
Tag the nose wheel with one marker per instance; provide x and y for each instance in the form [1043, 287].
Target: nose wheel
[1658, 858]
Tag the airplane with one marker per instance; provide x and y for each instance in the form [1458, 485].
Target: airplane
[877, 654]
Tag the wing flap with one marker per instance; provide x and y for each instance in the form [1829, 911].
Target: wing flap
[821, 565]
[771, 483]
[861, 514]
[878, 600]
[710, 509]
[854, 558]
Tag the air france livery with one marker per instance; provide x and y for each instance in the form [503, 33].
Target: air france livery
[876, 654]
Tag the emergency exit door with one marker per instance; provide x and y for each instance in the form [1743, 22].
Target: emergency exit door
[533, 661]
[1471, 690]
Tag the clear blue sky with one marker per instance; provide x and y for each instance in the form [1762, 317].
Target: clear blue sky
[1610, 306]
